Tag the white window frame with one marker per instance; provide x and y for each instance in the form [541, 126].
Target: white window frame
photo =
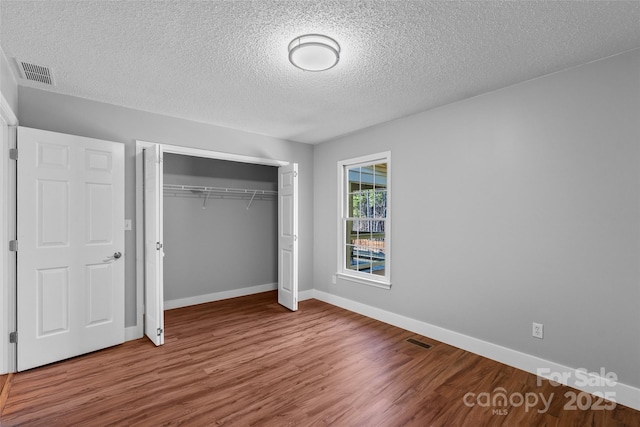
[383, 282]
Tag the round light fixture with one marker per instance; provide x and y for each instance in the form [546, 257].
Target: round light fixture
[314, 52]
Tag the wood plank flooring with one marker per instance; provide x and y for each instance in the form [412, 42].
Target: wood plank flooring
[250, 362]
[5, 386]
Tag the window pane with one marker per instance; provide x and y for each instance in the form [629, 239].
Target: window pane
[354, 180]
[351, 262]
[352, 235]
[362, 205]
[380, 176]
[352, 232]
[366, 178]
[367, 204]
[360, 259]
[376, 227]
[378, 253]
[357, 205]
[380, 204]
[352, 202]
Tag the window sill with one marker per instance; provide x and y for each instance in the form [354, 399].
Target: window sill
[363, 281]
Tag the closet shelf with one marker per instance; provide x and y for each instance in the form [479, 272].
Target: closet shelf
[198, 191]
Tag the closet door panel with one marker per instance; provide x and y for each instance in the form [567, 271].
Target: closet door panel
[288, 236]
[153, 253]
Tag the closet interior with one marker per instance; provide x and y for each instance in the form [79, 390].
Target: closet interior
[220, 228]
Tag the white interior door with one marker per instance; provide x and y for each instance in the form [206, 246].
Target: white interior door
[288, 236]
[70, 246]
[153, 253]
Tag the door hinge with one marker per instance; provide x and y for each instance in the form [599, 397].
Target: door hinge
[295, 174]
[13, 337]
[13, 153]
[159, 331]
[158, 246]
[13, 246]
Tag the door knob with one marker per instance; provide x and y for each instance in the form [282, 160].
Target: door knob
[117, 255]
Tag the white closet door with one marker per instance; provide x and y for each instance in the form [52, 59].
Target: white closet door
[71, 244]
[288, 236]
[154, 303]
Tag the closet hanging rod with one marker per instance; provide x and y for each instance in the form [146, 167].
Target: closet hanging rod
[198, 190]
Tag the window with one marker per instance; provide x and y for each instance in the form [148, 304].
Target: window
[365, 219]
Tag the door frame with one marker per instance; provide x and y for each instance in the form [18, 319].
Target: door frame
[8, 193]
[186, 151]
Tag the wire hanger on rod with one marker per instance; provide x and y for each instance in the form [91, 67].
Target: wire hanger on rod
[252, 197]
[204, 203]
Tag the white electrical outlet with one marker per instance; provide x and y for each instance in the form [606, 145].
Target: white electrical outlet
[538, 330]
[333, 279]
[127, 225]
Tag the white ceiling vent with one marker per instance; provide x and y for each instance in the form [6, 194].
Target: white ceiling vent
[36, 73]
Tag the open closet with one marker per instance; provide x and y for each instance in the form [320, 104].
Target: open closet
[212, 226]
[220, 229]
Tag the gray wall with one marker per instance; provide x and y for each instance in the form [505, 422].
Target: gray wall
[224, 246]
[77, 116]
[518, 206]
[8, 85]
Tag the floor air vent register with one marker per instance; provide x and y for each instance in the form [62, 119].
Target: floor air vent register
[419, 343]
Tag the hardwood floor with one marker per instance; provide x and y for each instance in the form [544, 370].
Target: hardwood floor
[5, 386]
[248, 361]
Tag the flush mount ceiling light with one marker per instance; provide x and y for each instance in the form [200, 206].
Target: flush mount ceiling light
[314, 52]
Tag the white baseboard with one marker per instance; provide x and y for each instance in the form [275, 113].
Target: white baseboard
[624, 394]
[304, 295]
[217, 296]
[133, 333]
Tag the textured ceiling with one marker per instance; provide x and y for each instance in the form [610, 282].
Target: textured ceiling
[225, 62]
